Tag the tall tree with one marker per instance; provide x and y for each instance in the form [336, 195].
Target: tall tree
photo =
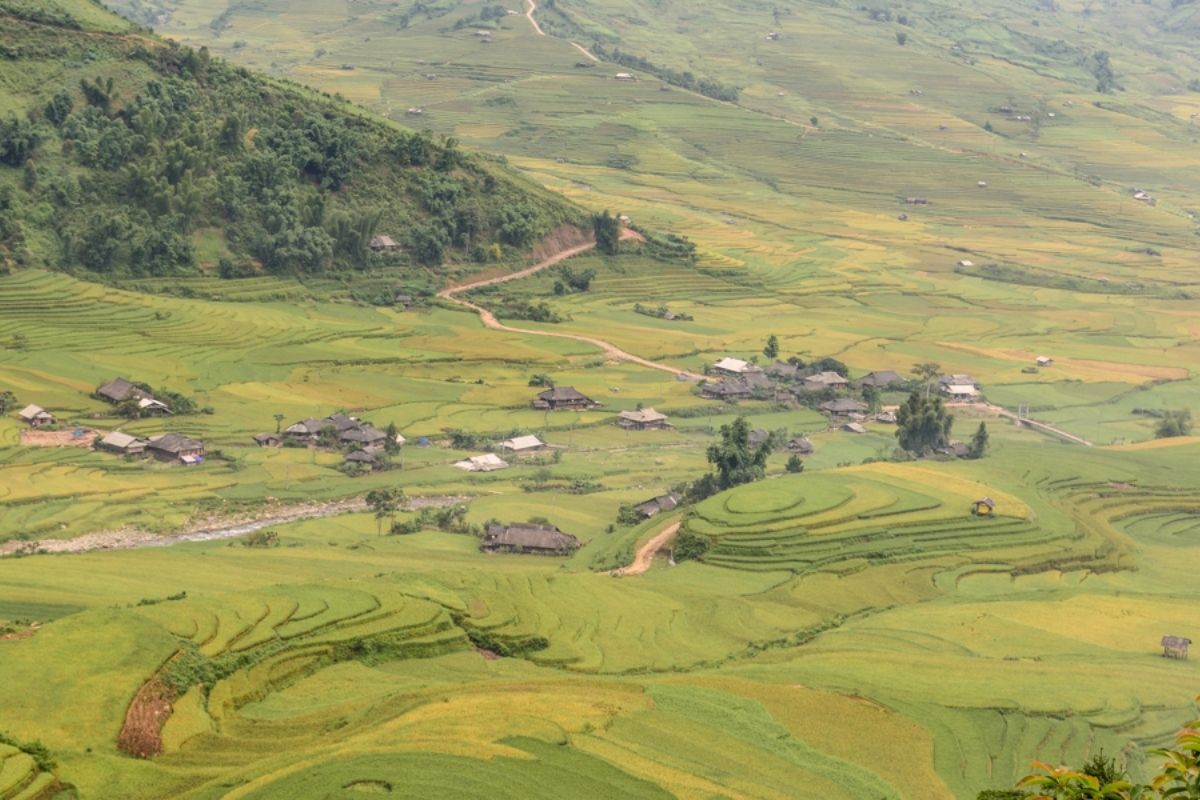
[278, 422]
[736, 461]
[8, 401]
[927, 371]
[979, 442]
[608, 232]
[923, 424]
[384, 503]
[771, 350]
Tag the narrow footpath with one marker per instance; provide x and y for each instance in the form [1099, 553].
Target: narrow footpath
[490, 321]
[645, 554]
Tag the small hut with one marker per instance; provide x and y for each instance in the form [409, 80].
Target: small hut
[1175, 647]
[983, 507]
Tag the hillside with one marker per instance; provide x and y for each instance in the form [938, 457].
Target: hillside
[860, 622]
[123, 155]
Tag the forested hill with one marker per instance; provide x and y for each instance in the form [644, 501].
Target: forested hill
[121, 153]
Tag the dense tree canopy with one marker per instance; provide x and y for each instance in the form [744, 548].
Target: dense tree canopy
[923, 424]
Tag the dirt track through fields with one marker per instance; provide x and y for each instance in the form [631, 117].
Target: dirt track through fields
[489, 319]
[529, 13]
[645, 554]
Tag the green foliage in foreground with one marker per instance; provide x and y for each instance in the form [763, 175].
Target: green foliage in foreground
[156, 143]
[923, 424]
[1100, 779]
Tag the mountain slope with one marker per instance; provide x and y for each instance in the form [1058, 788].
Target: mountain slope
[124, 154]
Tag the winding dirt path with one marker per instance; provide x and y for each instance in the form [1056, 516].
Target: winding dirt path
[585, 51]
[529, 14]
[489, 319]
[645, 554]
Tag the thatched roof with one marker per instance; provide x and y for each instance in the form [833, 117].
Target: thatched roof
[529, 536]
[118, 390]
[173, 443]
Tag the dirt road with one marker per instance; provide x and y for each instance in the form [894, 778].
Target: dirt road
[490, 321]
[1044, 427]
[645, 554]
[532, 21]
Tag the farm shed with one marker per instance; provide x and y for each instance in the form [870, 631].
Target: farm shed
[523, 444]
[527, 537]
[1175, 647]
[36, 416]
[656, 505]
[384, 243]
[268, 440]
[1044, 361]
[758, 437]
[958, 378]
[153, 408]
[122, 443]
[176, 447]
[983, 507]
[854, 427]
[488, 462]
[783, 371]
[118, 390]
[647, 419]
[563, 397]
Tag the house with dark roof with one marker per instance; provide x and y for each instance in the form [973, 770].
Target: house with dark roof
[646, 419]
[881, 379]
[365, 435]
[563, 398]
[844, 407]
[983, 507]
[268, 439]
[758, 437]
[341, 422]
[824, 380]
[118, 390]
[35, 416]
[727, 390]
[783, 371]
[801, 446]
[365, 457]
[656, 505]
[306, 430]
[176, 447]
[530, 538]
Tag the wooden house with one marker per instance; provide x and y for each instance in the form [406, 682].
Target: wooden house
[854, 427]
[118, 390]
[122, 444]
[656, 505]
[1175, 647]
[364, 435]
[844, 407]
[647, 419]
[881, 379]
[563, 398]
[529, 538]
[306, 430]
[35, 416]
[1044, 361]
[727, 390]
[734, 367]
[364, 457]
[268, 440]
[176, 447]
[801, 446]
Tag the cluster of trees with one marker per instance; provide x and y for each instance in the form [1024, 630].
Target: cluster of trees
[1174, 423]
[608, 232]
[574, 281]
[684, 80]
[296, 183]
